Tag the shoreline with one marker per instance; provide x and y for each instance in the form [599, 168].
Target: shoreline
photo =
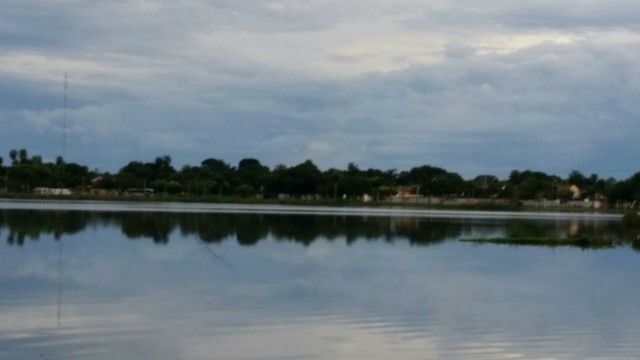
[301, 208]
[488, 205]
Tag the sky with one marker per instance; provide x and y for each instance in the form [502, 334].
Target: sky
[476, 87]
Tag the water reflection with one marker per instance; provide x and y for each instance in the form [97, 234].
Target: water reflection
[249, 229]
[225, 286]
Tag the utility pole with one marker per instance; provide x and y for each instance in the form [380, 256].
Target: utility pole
[64, 134]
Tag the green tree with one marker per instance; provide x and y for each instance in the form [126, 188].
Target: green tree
[533, 185]
[215, 165]
[251, 172]
[108, 182]
[333, 179]
[23, 156]
[303, 179]
[76, 175]
[433, 180]
[576, 178]
[484, 186]
[355, 182]
[13, 155]
[626, 190]
[134, 175]
[26, 177]
[218, 173]
[245, 190]
[191, 178]
[162, 168]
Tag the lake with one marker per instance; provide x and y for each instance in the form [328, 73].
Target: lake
[98, 280]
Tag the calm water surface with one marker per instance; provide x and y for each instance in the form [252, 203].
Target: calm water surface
[132, 281]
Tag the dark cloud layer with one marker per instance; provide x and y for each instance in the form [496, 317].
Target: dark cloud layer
[476, 88]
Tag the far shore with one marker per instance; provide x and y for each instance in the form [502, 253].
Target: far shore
[343, 207]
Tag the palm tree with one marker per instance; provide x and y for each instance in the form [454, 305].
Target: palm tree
[23, 155]
[13, 155]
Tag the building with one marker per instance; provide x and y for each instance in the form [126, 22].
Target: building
[52, 191]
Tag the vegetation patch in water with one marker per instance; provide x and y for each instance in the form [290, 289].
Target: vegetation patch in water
[581, 242]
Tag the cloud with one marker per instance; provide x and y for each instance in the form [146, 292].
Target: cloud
[467, 86]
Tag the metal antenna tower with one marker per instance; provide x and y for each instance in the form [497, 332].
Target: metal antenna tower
[64, 121]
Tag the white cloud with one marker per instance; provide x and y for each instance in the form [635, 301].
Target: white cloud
[388, 84]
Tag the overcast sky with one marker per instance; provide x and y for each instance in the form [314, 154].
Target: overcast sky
[472, 86]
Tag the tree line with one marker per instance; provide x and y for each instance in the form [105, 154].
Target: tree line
[250, 178]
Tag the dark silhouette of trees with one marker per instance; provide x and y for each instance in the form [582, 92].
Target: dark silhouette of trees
[484, 186]
[251, 173]
[215, 177]
[301, 180]
[533, 185]
[13, 155]
[220, 175]
[27, 173]
[627, 190]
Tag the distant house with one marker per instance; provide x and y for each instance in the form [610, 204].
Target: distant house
[575, 191]
[406, 192]
[571, 189]
[600, 201]
[51, 191]
[96, 180]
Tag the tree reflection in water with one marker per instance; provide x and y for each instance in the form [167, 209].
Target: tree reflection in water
[249, 229]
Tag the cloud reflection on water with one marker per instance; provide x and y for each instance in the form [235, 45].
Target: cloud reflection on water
[337, 296]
